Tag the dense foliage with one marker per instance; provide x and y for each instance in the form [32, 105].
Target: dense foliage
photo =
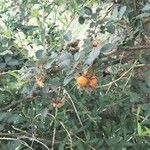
[46, 45]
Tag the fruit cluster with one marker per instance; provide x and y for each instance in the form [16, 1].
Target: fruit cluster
[86, 81]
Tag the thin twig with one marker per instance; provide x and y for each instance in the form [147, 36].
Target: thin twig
[118, 69]
[84, 142]
[54, 131]
[16, 139]
[138, 47]
[8, 72]
[121, 75]
[75, 109]
[15, 135]
[15, 103]
[127, 81]
[34, 139]
[70, 139]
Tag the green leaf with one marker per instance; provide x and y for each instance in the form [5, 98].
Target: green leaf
[98, 10]
[13, 62]
[55, 82]
[92, 56]
[51, 60]
[81, 20]
[147, 81]
[92, 24]
[2, 65]
[106, 48]
[68, 36]
[9, 117]
[94, 16]
[88, 10]
[10, 145]
[146, 7]
[80, 146]
[134, 97]
[65, 63]
[39, 54]
[115, 13]
[65, 56]
[78, 55]
[122, 11]
[110, 27]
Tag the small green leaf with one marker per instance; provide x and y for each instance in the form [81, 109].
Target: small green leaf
[122, 11]
[78, 55]
[98, 10]
[94, 16]
[88, 10]
[39, 54]
[81, 20]
[92, 56]
[68, 36]
[134, 97]
[51, 60]
[107, 47]
[114, 15]
[65, 56]
[13, 62]
[110, 27]
[92, 24]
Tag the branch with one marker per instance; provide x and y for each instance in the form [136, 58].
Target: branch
[15, 103]
[16, 135]
[117, 50]
[7, 72]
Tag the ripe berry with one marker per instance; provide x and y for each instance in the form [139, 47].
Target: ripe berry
[82, 81]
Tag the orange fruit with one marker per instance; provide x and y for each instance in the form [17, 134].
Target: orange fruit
[82, 81]
[93, 82]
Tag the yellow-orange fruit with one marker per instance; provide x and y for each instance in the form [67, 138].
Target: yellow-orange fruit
[96, 43]
[93, 82]
[82, 81]
[40, 82]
